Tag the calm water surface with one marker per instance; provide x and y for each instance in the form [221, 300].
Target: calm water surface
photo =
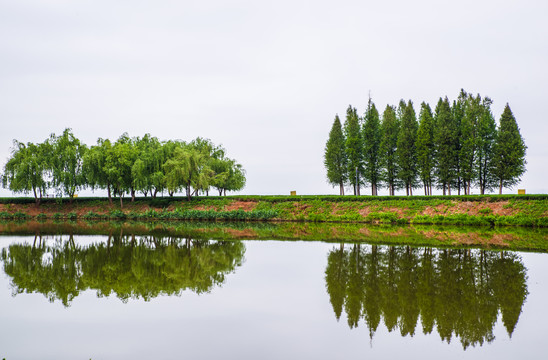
[142, 297]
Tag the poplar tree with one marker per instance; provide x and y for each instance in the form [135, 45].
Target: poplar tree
[486, 133]
[406, 151]
[354, 148]
[425, 147]
[444, 146]
[469, 140]
[372, 140]
[509, 151]
[458, 112]
[335, 157]
[390, 127]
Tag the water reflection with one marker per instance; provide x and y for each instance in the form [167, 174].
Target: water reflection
[126, 266]
[458, 292]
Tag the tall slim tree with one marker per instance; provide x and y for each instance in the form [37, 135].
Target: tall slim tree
[425, 147]
[354, 148]
[407, 151]
[509, 151]
[445, 149]
[457, 115]
[390, 127]
[335, 157]
[372, 141]
[469, 140]
[486, 134]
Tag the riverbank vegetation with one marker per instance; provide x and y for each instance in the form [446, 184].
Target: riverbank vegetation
[454, 147]
[492, 210]
[63, 165]
[439, 236]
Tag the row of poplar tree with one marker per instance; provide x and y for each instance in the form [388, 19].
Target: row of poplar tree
[127, 166]
[457, 146]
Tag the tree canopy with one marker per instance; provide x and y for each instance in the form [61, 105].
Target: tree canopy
[127, 166]
[456, 147]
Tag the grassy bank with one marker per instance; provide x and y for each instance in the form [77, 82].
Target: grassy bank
[491, 210]
[505, 238]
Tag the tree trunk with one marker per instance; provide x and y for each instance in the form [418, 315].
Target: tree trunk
[35, 196]
[341, 188]
[132, 195]
[109, 194]
[121, 201]
[500, 187]
[155, 193]
[224, 190]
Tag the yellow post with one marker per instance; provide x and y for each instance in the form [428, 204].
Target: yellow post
[293, 193]
[521, 191]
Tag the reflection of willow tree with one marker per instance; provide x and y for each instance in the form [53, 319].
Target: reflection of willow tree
[458, 292]
[127, 266]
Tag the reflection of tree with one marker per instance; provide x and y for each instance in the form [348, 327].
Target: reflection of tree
[127, 266]
[458, 292]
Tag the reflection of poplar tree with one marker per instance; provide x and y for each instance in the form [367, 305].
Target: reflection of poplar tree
[336, 276]
[426, 291]
[354, 287]
[391, 309]
[372, 284]
[408, 291]
[510, 288]
[460, 291]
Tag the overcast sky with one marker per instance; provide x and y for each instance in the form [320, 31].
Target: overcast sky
[264, 78]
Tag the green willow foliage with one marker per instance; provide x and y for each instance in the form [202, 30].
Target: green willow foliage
[127, 267]
[129, 165]
[454, 148]
[459, 293]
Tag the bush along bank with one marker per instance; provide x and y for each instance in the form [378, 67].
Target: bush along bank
[506, 210]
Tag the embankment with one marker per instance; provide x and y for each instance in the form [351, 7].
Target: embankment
[490, 210]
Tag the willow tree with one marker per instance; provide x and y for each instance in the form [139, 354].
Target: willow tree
[147, 173]
[425, 147]
[187, 169]
[335, 157]
[98, 167]
[389, 138]
[509, 151]
[354, 148]
[27, 169]
[67, 163]
[371, 144]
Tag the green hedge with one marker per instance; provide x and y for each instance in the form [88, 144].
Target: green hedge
[161, 202]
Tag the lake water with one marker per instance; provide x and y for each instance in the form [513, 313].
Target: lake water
[141, 296]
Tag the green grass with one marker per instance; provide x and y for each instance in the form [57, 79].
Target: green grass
[525, 210]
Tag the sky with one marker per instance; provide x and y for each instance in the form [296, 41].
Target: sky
[264, 78]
